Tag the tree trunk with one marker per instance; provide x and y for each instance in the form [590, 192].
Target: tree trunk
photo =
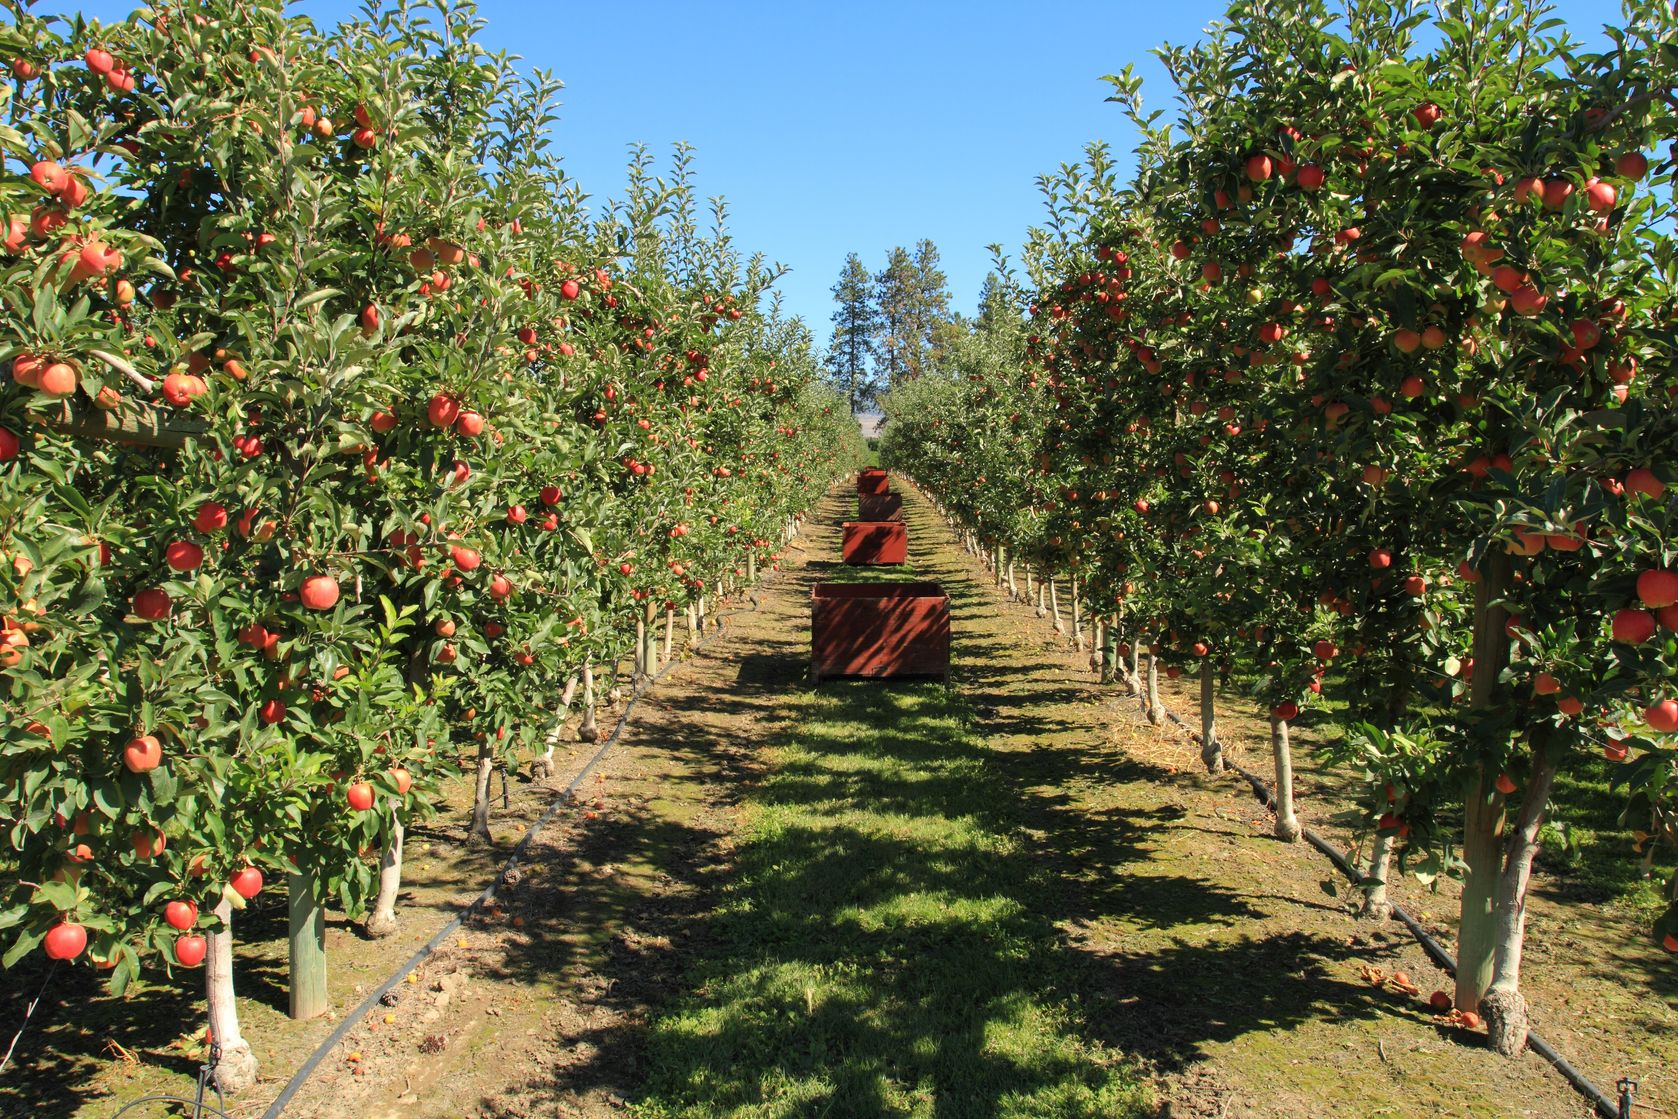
[1013, 588]
[479, 829]
[693, 625]
[1134, 679]
[1054, 606]
[641, 668]
[589, 731]
[1151, 702]
[1376, 905]
[1099, 660]
[1042, 600]
[1032, 594]
[1504, 1007]
[307, 922]
[543, 767]
[1483, 814]
[1211, 750]
[1077, 616]
[382, 921]
[1287, 824]
[236, 1065]
[669, 633]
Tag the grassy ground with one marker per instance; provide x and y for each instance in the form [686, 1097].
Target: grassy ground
[885, 949]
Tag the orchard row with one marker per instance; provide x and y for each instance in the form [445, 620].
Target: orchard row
[1368, 371]
[340, 442]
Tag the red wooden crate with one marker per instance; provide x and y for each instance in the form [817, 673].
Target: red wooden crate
[879, 630]
[876, 542]
[879, 507]
[873, 481]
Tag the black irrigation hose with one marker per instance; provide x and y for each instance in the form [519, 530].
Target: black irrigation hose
[351, 1019]
[1605, 1106]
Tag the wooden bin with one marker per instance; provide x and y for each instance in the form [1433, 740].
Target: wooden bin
[879, 630]
[876, 542]
[879, 507]
[873, 481]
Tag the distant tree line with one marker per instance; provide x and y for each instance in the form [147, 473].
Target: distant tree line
[889, 326]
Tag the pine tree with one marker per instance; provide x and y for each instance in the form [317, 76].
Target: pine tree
[855, 321]
[894, 296]
[931, 319]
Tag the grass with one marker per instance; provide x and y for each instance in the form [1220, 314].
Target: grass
[882, 948]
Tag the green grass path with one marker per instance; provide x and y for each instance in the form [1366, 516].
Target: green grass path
[883, 946]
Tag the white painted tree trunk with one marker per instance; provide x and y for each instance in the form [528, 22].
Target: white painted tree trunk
[1077, 616]
[236, 1070]
[1504, 1007]
[1211, 750]
[1376, 904]
[693, 624]
[669, 633]
[589, 730]
[1054, 606]
[480, 792]
[1013, 588]
[1042, 599]
[1133, 678]
[1100, 655]
[1151, 704]
[543, 767]
[382, 921]
[641, 667]
[1287, 824]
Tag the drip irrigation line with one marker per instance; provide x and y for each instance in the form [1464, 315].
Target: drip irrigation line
[1605, 1105]
[487, 897]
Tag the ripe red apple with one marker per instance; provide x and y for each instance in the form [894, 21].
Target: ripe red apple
[466, 559]
[402, 779]
[1528, 300]
[181, 914]
[1614, 750]
[1632, 165]
[319, 592]
[1427, 114]
[247, 883]
[210, 518]
[1600, 196]
[1285, 712]
[65, 941]
[271, 711]
[359, 795]
[500, 587]
[470, 424]
[190, 950]
[152, 604]
[570, 289]
[1380, 558]
[183, 555]
[1259, 167]
[1505, 784]
[143, 753]
[1633, 627]
[1440, 1001]
[1644, 481]
[1310, 177]
[1415, 586]
[383, 422]
[1406, 341]
[1325, 650]
[516, 514]
[148, 843]
[1656, 588]
[1662, 715]
[1545, 684]
[442, 410]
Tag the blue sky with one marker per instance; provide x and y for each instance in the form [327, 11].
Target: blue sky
[850, 126]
